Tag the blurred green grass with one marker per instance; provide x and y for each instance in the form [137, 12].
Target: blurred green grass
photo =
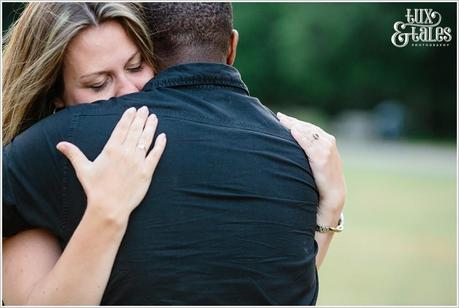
[399, 243]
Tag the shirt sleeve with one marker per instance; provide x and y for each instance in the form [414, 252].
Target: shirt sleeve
[12, 222]
[33, 180]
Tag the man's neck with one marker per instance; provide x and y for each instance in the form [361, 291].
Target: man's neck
[195, 57]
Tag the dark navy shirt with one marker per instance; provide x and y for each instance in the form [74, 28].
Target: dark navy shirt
[229, 217]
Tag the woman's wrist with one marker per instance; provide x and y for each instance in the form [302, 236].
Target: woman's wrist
[108, 218]
[328, 220]
[328, 214]
[332, 201]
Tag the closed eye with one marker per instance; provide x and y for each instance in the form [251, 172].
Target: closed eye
[136, 68]
[99, 87]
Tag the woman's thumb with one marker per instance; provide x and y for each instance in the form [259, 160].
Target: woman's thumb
[73, 153]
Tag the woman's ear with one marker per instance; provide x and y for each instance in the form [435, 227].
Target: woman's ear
[234, 39]
[59, 103]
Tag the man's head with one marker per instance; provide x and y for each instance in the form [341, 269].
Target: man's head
[187, 32]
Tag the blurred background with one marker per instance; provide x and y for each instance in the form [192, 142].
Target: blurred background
[393, 111]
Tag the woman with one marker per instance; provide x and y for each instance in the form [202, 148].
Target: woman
[61, 49]
[57, 278]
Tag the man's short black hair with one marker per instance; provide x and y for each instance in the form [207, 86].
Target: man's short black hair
[190, 31]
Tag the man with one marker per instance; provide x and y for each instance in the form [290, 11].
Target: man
[231, 216]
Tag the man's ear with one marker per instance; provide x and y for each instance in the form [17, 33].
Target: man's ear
[232, 47]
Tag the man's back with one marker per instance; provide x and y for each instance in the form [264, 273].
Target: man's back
[230, 215]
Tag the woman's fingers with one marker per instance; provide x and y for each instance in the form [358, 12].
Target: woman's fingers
[122, 127]
[146, 137]
[302, 139]
[136, 129]
[155, 153]
[286, 121]
[305, 131]
[321, 150]
[294, 123]
[73, 153]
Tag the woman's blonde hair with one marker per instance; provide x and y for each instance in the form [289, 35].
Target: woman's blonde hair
[34, 50]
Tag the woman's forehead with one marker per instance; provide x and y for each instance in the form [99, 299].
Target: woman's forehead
[100, 47]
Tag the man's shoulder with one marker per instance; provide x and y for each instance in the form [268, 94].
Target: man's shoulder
[65, 119]
[48, 127]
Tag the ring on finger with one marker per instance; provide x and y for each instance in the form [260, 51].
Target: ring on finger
[142, 147]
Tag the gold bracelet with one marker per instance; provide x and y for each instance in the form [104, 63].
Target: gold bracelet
[339, 228]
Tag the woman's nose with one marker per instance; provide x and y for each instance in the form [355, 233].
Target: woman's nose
[126, 86]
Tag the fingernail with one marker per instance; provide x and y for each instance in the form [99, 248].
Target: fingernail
[162, 135]
[130, 110]
[143, 109]
[153, 116]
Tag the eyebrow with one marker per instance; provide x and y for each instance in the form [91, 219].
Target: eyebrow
[102, 72]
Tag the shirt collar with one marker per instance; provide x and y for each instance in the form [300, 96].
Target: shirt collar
[194, 74]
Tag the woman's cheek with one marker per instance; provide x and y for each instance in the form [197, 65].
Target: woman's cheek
[147, 75]
[91, 96]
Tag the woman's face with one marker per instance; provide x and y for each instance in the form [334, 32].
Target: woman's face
[100, 63]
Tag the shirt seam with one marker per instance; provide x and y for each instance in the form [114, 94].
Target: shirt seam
[186, 81]
[65, 206]
[173, 115]
[245, 127]
[8, 168]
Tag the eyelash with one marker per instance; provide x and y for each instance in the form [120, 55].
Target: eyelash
[98, 88]
[137, 68]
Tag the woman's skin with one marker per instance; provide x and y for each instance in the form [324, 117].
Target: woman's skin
[35, 270]
[100, 63]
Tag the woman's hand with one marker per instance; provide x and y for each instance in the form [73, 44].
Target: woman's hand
[115, 183]
[327, 168]
[118, 179]
[320, 148]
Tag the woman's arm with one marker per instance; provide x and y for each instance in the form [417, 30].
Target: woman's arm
[326, 165]
[35, 272]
